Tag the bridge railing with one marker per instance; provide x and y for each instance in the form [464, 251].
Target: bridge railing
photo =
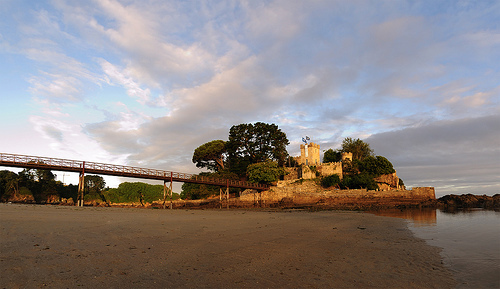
[118, 170]
[40, 161]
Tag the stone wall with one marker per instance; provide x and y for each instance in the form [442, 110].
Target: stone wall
[312, 172]
[328, 169]
[308, 192]
[302, 172]
[291, 174]
[308, 172]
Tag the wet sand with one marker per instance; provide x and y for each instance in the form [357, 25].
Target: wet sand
[68, 247]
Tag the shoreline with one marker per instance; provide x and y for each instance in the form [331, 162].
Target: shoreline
[93, 247]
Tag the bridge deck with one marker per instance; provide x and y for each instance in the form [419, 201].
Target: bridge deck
[35, 162]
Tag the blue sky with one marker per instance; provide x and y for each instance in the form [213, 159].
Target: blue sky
[144, 83]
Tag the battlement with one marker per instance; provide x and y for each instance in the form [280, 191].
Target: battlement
[311, 145]
[346, 156]
[309, 155]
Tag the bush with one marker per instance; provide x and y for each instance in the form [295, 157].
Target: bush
[135, 192]
[264, 173]
[192, 191]
[360, 181]
[330, 181]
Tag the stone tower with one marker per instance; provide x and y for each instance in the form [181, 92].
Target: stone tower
[309, 155]
[346, 156]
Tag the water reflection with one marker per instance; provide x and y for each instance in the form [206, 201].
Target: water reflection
[419, 217]
[470, 241]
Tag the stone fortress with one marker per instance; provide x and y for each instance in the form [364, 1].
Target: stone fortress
[311, 167]
[299, 187]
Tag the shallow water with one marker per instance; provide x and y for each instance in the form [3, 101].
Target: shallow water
[470, 241]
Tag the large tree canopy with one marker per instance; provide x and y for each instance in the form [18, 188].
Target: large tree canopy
[94, 184]
[332, 156]
[264, 173]
[255, 143]
[210, 155]
[359, 149]
[376, 166]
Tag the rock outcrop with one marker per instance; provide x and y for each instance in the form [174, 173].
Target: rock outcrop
[469, 201]
[388, 182]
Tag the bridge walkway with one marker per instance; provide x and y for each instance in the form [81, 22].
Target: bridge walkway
[82, 167]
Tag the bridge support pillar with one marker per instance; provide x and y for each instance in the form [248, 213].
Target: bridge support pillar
[164, 192]
[226, 193]
[81, 187]
[170, 193]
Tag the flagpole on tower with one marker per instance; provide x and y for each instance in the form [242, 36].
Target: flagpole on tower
[306, 140]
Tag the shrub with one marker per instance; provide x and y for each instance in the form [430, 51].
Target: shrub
[192, 191]
[359, 181]
[330, 181]
[133, 192]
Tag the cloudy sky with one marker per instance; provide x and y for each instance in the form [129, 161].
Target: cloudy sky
[144, 83]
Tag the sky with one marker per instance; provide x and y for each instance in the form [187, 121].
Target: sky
[145, 82]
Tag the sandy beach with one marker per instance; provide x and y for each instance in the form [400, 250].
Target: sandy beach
[72, 247]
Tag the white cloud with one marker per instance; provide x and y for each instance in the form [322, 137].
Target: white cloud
[132, 87]
[471, 101]
[460, 99]
[153, 58]
[67, 140]
[327, 69]
[275, 21]
[56, 87]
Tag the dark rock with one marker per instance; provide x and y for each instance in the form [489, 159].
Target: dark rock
[469, 201]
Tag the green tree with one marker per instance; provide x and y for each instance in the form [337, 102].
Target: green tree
[376, 166]
[41, 183]
[44, 175]
[330, 181]
[332, 156]
[254, 143]
[35, 182]
[47, 182]
[67, 191]
[357, 147]
[9, 183]
[291, 162]
[94, 185]
[210, 155]
[264, 173]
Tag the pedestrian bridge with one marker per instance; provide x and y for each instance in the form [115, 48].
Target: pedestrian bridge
[82, 167]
